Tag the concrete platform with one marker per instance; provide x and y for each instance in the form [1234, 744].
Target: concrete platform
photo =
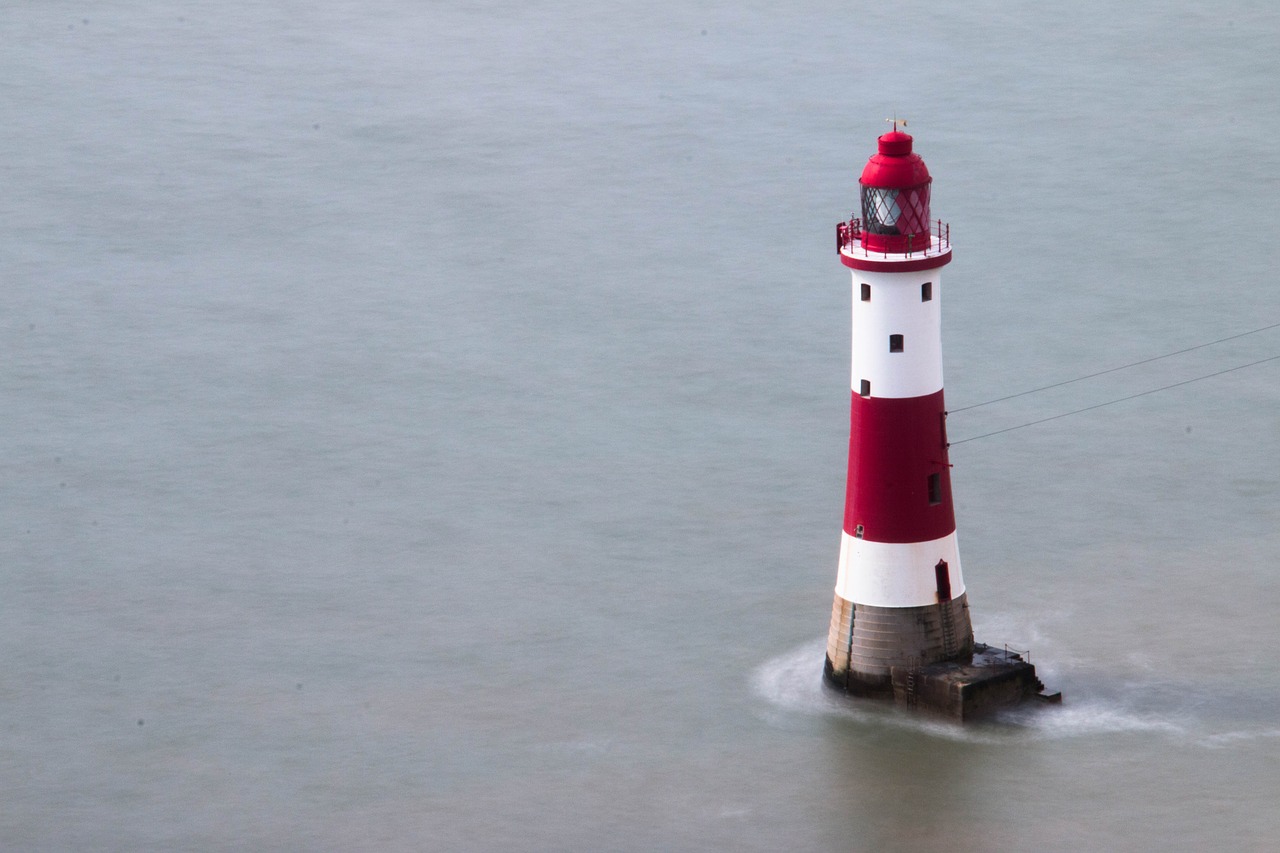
[970, 688]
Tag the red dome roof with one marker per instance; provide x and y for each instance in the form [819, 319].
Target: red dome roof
[894, 166]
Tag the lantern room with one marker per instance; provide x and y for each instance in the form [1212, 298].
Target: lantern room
[895, 198]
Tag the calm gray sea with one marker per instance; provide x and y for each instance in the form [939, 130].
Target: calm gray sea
[425, 423]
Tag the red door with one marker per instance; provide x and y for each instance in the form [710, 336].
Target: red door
[944, 581]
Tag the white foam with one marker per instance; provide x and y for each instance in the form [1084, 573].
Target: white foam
[1224, 739]
[791, 684]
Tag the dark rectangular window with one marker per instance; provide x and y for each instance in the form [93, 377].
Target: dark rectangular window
[895, 343]
[865, 391]
[866, 292]
[926, 291]
[935, 489]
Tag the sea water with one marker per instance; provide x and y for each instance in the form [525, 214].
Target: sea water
[425, 423]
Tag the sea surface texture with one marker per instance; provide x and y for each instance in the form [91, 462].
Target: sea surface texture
[425, 423]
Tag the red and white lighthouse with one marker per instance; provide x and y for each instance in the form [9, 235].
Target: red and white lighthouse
[900, 596]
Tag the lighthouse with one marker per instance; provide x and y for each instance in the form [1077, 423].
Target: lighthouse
[900, 624]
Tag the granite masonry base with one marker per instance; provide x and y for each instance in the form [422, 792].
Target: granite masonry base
[967, 688]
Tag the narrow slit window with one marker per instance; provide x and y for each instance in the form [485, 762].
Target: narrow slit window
[865, 390]
[857, 532]
[935, 489]
[926, 291]
[866, 292]
[895, 343]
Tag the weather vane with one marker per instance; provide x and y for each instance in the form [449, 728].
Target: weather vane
[897, 121]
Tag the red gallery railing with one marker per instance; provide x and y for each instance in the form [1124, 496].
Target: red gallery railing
[934, 242]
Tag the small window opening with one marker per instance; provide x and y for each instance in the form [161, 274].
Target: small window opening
[895, 343]
[935, 489]
[866, 292]
[857, 532]
[865, 391]
[926, 291]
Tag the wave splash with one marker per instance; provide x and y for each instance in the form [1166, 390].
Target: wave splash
[791, 685]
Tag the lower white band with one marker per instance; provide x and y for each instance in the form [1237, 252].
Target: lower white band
[896, 574]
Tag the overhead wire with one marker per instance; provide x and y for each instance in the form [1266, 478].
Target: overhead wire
[1120, 400]
[1121, 367]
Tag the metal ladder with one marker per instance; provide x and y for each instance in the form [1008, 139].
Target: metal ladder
[913, 669]
[947, 621]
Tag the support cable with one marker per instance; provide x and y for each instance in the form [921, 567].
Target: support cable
[1113, 402]
[1114, 369]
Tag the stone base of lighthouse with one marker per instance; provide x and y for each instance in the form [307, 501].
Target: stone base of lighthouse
[925, 658]
[865, 643]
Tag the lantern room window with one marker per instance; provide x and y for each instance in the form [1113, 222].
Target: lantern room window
[880, 210]
[896, 211]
